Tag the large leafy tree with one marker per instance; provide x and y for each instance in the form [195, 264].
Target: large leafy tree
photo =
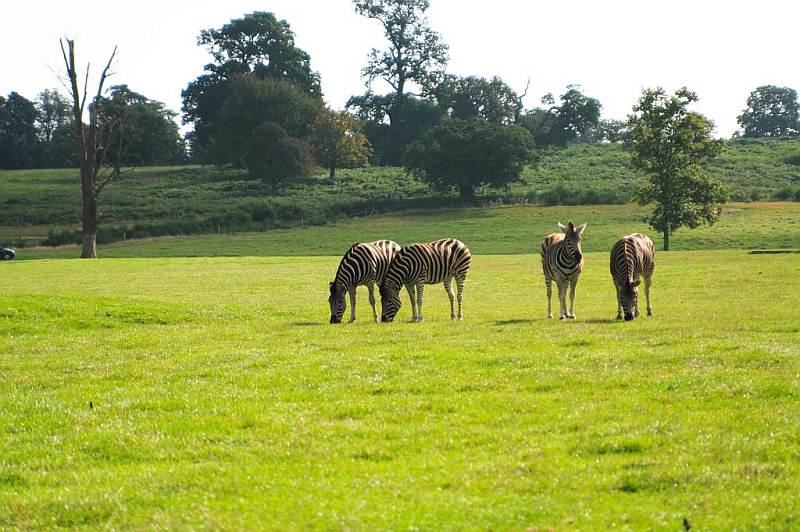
[415, 53]
[558, 125]
[668, 142]
[55, 130]
[19, 143]
[771, 112]
[250, 102]
[409, 124]
[137, 130]
[257, 45]
[474, 97]
[466, 154]
[276, 157]
[337, 141]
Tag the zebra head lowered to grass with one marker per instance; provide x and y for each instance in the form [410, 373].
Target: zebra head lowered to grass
[562, 262]
[420, 264]
[362, 264]
[632, 257]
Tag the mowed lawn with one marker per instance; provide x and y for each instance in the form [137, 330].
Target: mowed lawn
[212, 393]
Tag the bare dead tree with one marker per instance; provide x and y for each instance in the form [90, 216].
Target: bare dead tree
[91, 152]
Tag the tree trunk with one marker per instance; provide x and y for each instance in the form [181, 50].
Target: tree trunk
[333, 172]
[89, 227]
[666, 238]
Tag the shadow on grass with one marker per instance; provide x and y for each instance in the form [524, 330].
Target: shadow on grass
[608, 320]
[308, 324]
[500, 323]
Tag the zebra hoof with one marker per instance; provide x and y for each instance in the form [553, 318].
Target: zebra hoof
[619, 316]
[649, 312]
[549, 316]
[461, 318]
[563, 318]
[571, 317]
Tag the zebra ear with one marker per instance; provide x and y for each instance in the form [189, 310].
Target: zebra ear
[561, 227]
[581, 228]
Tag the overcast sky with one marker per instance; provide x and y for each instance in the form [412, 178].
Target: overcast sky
[614, 48]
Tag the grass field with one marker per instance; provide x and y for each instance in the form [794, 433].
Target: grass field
[210, 392]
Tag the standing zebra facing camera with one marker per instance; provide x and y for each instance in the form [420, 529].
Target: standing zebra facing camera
[362, 264]
[562, 262]
[420, 264]
[631, 257]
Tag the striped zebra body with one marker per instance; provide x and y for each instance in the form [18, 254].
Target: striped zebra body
[420, 264]
[632, 257]
[562, 262]
[362, 264]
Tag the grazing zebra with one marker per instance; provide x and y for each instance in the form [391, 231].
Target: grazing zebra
[632, 256]
[420, 264]
[562, 262]
[363, 264]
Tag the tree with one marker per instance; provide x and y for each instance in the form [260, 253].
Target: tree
[140, 131]
[257, 45]
[19, 144]
[668, 142]
[91, 154]
[771, 112]
[274, 156]
[415, 54]
[471, 97]
[470, 153]
[606, 131]
[249, 103]
[409, 124]
[337, 141]
[55, 130]
[561, 124]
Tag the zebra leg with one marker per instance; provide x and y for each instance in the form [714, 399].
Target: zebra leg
[619, 301]
[420, 290]
[636, 303]
[352, 291]
[647, 282]
[549, 284]
[413, 298]
[371, 288]
[562, 298]
[572, 286]
[460, 286]
[448, 287]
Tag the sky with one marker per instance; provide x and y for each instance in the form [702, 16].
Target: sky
[613, 48]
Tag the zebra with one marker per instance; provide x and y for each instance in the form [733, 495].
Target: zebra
[420, 264]
[562, 262]
[632, 256]
[362, 264]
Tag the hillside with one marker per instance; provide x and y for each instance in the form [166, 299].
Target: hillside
[194, 199]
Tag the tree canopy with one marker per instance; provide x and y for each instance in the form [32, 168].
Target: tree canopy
[558, 125]
[668, 142]
[771, 112]
[258, 46]
[466, 154]
[337, 141]
[272, 155]
[19, 142]
[415, 52]
[474, 97]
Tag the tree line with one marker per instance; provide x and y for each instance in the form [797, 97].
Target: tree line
[259, 105]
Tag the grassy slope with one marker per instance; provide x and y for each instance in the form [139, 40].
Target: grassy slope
[507, 230]
[221, 399]
[33, 201]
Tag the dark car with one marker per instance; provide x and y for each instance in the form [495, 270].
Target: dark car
[7, 254]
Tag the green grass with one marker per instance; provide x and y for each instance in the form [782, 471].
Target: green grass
[204, 199]
[501, 230]
[222, 399]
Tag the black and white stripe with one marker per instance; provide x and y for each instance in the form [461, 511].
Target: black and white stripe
[363, 264]
[420, 264]
[562, 262]
[631, 257]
